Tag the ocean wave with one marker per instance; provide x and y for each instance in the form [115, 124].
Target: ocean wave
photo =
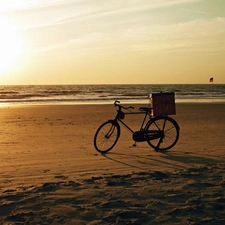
[104, 93]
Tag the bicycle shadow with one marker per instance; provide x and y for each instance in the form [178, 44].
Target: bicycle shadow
[191, 159]
[106, 155]
[165, 159]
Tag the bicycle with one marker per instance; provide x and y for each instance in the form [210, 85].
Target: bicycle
[160, 132]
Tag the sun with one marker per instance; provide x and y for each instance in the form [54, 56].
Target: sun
[10, 45]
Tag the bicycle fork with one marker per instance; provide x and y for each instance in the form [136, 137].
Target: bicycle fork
[110, 132]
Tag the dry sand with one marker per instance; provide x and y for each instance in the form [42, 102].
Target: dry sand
[50, 172]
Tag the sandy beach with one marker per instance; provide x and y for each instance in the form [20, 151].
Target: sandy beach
[50, 172]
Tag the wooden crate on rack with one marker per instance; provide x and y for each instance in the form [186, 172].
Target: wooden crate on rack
[163, 103]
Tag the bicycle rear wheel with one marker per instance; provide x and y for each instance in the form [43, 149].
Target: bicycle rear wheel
[106, 136]
[163, 133]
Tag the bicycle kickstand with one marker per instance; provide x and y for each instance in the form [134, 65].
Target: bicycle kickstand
[134, 145]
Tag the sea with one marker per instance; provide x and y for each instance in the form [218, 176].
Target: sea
[107, 94]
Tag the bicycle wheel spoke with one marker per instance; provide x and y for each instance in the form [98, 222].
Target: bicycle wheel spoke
[169, 133]
[106, 136]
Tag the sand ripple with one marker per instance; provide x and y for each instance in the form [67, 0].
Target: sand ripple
[191, 196]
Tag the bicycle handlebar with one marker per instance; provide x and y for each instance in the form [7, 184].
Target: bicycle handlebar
[117, 103]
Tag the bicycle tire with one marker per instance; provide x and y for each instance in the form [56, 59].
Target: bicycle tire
[169, 133]
[106, 136]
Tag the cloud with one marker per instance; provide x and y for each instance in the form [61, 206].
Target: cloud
[193, 36]
[79, 10]
[12, 5]
[95, 34]
[78, 43]
[197, 36]
[109, 7]
[29, 6]
[197, 11]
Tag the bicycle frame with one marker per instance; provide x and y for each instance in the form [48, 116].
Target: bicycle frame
[119, 112]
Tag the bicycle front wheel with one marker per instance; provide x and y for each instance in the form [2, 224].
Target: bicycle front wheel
[106, 136]
[163, 133]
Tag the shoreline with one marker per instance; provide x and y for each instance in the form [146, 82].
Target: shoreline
[123, 102]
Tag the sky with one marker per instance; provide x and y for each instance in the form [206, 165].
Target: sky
[112, 41]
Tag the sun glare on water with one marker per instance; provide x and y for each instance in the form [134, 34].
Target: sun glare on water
[10, 45]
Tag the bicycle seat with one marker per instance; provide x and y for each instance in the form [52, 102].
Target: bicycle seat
[146, 109]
